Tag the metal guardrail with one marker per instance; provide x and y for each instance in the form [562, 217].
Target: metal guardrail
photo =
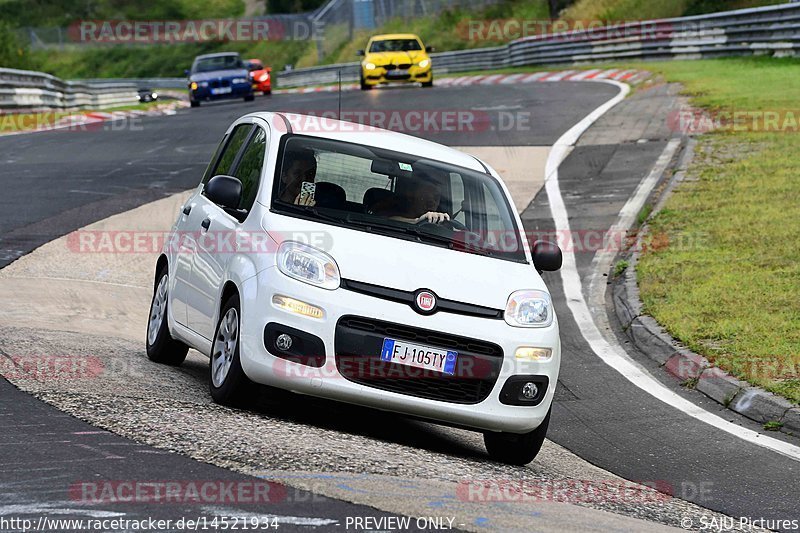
[26, 89]
[771, 30]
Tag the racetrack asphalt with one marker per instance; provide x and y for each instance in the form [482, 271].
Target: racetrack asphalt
[56, 182]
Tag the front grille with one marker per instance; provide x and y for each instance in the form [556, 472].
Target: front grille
[216, 84]
[358, 345]
[402, 66]
[407, 297]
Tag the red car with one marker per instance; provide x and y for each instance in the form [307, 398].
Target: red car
[260, 75]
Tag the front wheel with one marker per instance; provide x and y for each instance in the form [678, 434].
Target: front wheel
[364, 85]
[194, 103]
[249, 98]
[161, 347]
[516, 449]
[428, 83]
[228, 381]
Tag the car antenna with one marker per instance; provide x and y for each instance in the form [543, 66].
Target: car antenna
[339, 111]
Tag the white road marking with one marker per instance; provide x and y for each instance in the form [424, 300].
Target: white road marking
[609, 350]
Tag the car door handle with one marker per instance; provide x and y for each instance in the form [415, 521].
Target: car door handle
[206, 223]
[187, 209]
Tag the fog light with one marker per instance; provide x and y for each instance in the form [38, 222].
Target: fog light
[297, 306]
[283, 342]
[528, 353]
[529, 390]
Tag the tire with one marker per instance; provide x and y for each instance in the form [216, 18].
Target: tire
[161, 347]
[516, 449]
[249, 98]
[428, 83]
[364, 85]
[194, 103]
[227, 381]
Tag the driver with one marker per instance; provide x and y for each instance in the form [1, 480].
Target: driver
[298, 166]
[419, 198]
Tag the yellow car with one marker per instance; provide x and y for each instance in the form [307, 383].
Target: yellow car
[395, 58]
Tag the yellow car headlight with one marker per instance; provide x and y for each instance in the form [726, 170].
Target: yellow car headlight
[424, 63]
[369, 66]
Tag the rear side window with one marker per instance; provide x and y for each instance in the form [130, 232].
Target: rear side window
[249, 168]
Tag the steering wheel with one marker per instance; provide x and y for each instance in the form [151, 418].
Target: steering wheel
[454, 225]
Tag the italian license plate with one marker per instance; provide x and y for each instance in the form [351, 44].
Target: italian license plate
[419, 356]
[221, 90]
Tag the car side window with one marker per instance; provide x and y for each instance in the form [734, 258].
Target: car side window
[225, 162]
[212, 165]
[249, 168]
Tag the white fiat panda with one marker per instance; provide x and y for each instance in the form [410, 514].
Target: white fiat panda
[366, 266]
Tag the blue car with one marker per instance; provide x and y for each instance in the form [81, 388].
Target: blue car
[217, 77]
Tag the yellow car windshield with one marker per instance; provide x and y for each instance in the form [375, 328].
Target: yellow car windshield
[394, 45]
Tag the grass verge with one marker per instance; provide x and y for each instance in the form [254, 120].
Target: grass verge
[722, 269]
[13, 122]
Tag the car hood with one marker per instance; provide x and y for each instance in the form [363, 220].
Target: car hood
[385, 58]
[230, 73]
[407, 265]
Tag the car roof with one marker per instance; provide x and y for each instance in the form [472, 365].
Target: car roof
[341, 130]
[387, 36]
[219, 54]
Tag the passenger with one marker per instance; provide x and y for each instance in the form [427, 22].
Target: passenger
[418, 198]
[298, 166]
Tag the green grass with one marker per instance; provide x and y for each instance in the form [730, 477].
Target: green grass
[29, 121]
[721, 270]
[620, 267]
[773, 425]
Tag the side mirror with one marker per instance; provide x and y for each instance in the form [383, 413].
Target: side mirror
[225, 191]
[187, 72]
[546, 256]
[430, 49]
[359, 52]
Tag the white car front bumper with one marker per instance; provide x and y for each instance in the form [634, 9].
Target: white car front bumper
[326, 381]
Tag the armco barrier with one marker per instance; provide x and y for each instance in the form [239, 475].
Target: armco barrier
[24, 90]
[771, 30]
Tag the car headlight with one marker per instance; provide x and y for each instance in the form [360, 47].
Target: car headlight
[369, 66]
[193, 86]
[529, 309]
[263, 77]
[239, 80]
[309, 265]
[424, 63]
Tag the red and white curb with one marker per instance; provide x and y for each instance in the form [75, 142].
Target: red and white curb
[631, 77]
[80, 119]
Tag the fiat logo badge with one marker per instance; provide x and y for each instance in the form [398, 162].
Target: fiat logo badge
[426, 301]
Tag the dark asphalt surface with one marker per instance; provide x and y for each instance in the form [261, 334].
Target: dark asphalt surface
[56, 182]
[57, 466]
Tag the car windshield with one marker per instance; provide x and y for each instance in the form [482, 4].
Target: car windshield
[254, 65]
[381, 191]
[394, 45]
[209, 64]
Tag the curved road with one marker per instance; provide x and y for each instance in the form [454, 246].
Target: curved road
[56, 182]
